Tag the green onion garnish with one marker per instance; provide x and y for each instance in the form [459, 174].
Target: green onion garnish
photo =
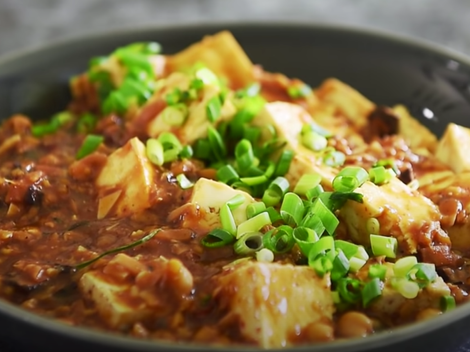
[186, 152]
[334, 158]
[377, 271]
[283, 163]
[249, 243]
[328, 218]
[350, 178]
[183, 181]
[355, 264]
[314, 192]
[447, 303]
[321, 265]
[292, 209]
[227, 220]
[273, 214]
[86, 122]
[340, 266]
[213, 109]
[371, 291]
[280, 239]
[304, 237]
[175, 115]
[403, 265]
[244, 155]
[314, 141]
[422, 274]
[306, 183]
[216, 143]
[349, 249]
[254, 209]
[349, 289]
[382, 245]
[265, 255]
[408, 289]
[227, 174]
[207, 76]
[202, 149]
[298, 91]
[217, 238]
[380, 175]
[254, 224]
[154, 151]
[373, 226]
[89, 145]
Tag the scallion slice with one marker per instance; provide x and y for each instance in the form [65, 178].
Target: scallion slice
[377, 271]
[314, 192]
[227, 174]
[186, 152]
[373, 226]
[249, 243]
[207, 76]
[227, 220]
[349, 249]
[154, 151]
[350, 178]
[447, 303]
[283, 163]
[403, 265]
[321, 265]
[213, 109]
[328, 218]
[313, 141]
[254, 224]
[349, 289]
[236, 201]
[217, 238]
[313, 222]
[324, 246]
[306, 183]
[292, 209]
[280, 239]
[380, 175]
[371, 291]
[183, 181]
[355, 264]
[175, 115]
[423, 274]
[89, 145]
[334, 158]
[273, 214]
[202, 149]
[216, 143]
[254, 209]
[383, 245]
[265, 255]
[340, 266]
[408, 289]
[244, 155]
[304, 237]
[298, 91]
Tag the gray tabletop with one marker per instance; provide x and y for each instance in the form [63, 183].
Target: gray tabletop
[30, 23]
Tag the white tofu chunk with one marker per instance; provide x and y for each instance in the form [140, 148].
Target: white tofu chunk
[202, 210]
[348, 101]
[129, 170]
[401, 212]
[270, 302]
[222, 54]
[288, 119]
[117, 313]
[453, 148]
[415, 134]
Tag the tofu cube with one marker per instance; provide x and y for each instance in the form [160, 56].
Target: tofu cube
[402, 213]
[453, 148]
[270, 302]
[128, 170]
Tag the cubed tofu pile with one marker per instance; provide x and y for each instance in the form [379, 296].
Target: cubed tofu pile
[271, 303]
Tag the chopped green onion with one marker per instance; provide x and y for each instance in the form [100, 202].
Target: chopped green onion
[355, 264]
[406, 288]
[154, 151]
[207, 76]
[283, 163]
[349, 289]
[314, 192]
[336, 297]
[244, 154]
[217, 238]
[250, 91]
[340, 266]
[242, 187]
[306, 183]
[292, 209]
[252, 133]
[373, 226]
[275, 191]
[271, 198]
[54, 124]
[273, 214]
[175, 115]
[361, 253]
[349, 249]
[249, 243]
[169, 141]
[280, 239]
[134, 59]
[254, 209]
[255, 180]
[186, 152]
[147, 48]
[202, 149]
[324, 246]
[265, 255]
[380, 175]
[89, 145]
[304, 237]
[227, 220]
[183, 181]
[447, 303]
[377, 271]
[422, 274]
[371, 291]
[115, 102]
[216, 143]
[403, 266]
[299, 91]
[350, 178]
[196, 84]
[313, 222]
[388, 164]
[227, 174]
[86, 122]
[334, 158]
[314, 141]
[321, 265]
[314, 127]
[254, 224]
[328, 218]
[213, 109]
[235, 201]
[382, 245]
[173, 97]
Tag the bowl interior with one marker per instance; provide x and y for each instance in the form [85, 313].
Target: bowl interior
[385, 69]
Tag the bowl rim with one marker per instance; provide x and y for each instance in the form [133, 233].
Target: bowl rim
[109, 339]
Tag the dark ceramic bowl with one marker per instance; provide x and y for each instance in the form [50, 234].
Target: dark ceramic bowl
[386, 69]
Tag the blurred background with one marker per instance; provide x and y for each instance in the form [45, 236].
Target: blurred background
[30, 23]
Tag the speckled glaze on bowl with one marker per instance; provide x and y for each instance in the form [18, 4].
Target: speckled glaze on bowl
[385, 68]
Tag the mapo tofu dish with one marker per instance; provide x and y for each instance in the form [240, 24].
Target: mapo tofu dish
[197, 198]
